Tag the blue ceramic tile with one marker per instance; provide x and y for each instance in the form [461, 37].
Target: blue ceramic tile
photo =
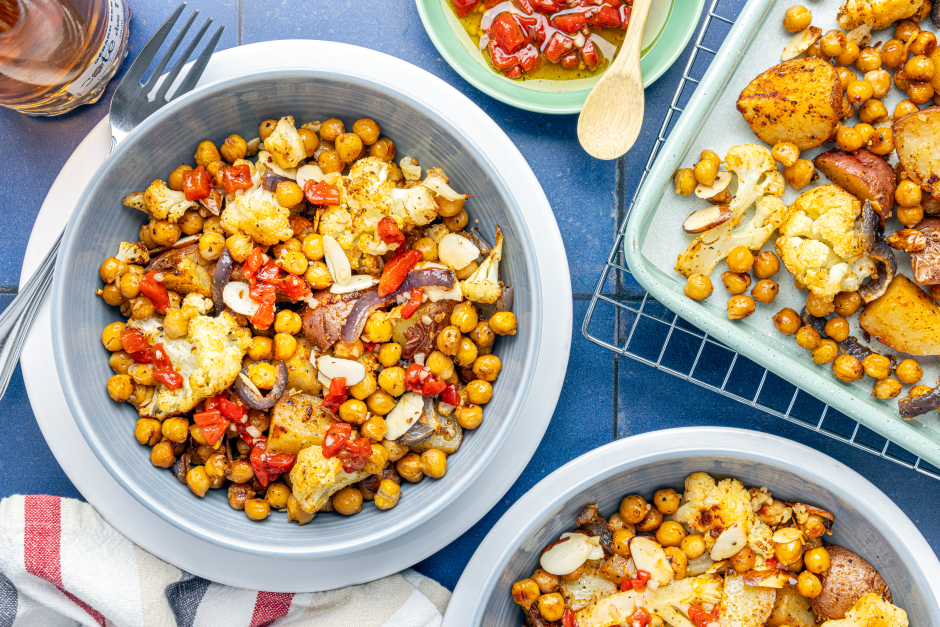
[26, 463]
[652, 400]
[580, 189]
[583, 421]
[37, 148]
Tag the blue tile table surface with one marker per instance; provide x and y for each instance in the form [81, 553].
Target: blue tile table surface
[604, 398]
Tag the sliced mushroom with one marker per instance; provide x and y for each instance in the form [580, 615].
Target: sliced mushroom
[800, 42]
[596, 525]
[720, 184]
[877, 249]
[707, 218]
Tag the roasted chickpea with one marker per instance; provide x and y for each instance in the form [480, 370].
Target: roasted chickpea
[800, 173]
[207, 153]
[833, 43]
[111, 336]
[545, 581]
[211, 245]
[877, 366]
[295, 513]
[233, 148]
[175, 429]
[651, 522]
[818, 307]
[765, 291]
[837, 328]
[483, 335]
[740, 307]
[427, 247]
[924, 43]
[288, 194]
[848, 139]
[909, 372]
[365, 388]
[161, 455]
[503, 323]
[846, 76]
[684, 181]
[198, 481]
[797, 18]
[910, 216]
[147, 431]
[808, 585]
[903, 108]
[330, 161]
[410, 468]
[434, 463]
[313, 247]
[882, 142]
[457, 223]
[847, 368]
[142, 308]
[693, 545]
[257, 509]
[120, 387]
[785, 153]
[869, 113]
[633, 508]
[284, 346]
[919, 69]
[825, 352]
[239, 246]
[310, 140]
[348, 501]
[894, 53]
[120, 362]
[905, 29]
[744, 560]
[766, 264]
[670, 533]
[440, 365]
[384, 149]
[678, 561]
[859, 91]
[177, 176]
[621, 542]
[705, 172]
[464, 317]
[261, 348]
[469, 416]
[367, 129]
[479, 392]
[449, 208]
[919, 93]
[266, 128]
[374, 428]
[331, 129]
[788, 552]
[392, 380]
[354, 411]
[287, 321]
[865, 130]
[740, 259]
[817, 560]
[814, 527]
[908, 193]
[849, 55]
[869, 59]
[847, 303]
[448, 340]
[293, 261]
[736, 282]
[886, 388]
[348, 145]
[389, 354]
[318, 275]
[666, 501]
[698, 287]
[526, 592]
[552, 606]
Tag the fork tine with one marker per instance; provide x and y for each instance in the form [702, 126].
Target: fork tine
[149, 51]
[158, 71]
[184, 58]
[195, 72]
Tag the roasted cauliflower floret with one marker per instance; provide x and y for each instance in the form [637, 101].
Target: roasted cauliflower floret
[672, 602]
[410, 169]
[819, 244]
[285, 144]
[209, 359]
[259, 216]
[878, 14]
[871, 611]
[161, 202]
[133, 252]
[758, 180]
[483, 285]
[316, 478]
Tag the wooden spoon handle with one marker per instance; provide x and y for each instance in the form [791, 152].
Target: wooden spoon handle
[630, 50]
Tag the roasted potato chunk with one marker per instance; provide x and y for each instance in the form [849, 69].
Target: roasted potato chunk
[866, 175]
[798, 101]
[791, 609]
[297, 421]
[926, 263]
[904, 318]
[745, 606]
[917, 142]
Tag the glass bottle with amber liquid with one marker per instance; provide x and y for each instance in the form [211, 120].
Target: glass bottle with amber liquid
[58, 54]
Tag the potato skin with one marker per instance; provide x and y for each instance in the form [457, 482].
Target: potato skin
[904, 318]
[926, 263]
[848, 578]
[863, 173]
[917, 142]
[798, 101]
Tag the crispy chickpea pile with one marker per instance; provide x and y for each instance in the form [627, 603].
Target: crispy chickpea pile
[280, 422]
[627, 563]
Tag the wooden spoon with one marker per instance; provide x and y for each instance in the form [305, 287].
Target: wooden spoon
[612, 115]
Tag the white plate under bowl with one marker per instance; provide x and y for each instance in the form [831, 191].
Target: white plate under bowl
[251, 571]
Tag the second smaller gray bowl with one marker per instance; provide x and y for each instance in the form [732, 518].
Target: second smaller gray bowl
[866, 521]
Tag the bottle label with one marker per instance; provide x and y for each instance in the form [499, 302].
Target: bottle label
[107, 54]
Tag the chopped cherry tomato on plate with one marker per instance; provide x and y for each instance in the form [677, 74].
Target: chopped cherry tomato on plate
[211, 424]
[254, 262]
[450, 395]
[396, 271]
[569, 23]
[134, 341]
[590, 55]
[464, 7]
[507, 33]
[700, 617]
[236, 177]
[337, 394]
[155, 291]
[419, 380]
[569, 618]
[232, 411]
[321, 193]
[415, 300]
[264, 317]
[294, 286]
[335, 438]
[389, 232]
[607, 17]
[268, 466]
[196, 184]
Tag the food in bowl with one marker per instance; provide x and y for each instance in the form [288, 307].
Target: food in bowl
[307, 327]
[719, 554]
[546, 39]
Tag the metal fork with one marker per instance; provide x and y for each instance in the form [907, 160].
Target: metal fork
[130, 105]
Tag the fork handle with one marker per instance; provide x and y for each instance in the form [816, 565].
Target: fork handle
[17, 318]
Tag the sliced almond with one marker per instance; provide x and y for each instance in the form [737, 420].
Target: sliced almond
[566, 555]
[236, 296]
[356, 282]
[336, 261]
[403, 415]
[770, 578]
[457, 251]
[597, 552]
[309, 172]
[800, 42]
[332, 367]
[719, 185]
[718, 567]
[707, 218]
[787, 534]
[860, 36]
[649, 556]
[731, 540]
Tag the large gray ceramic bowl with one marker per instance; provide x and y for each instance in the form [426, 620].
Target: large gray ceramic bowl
[866, 521]
[100, 223]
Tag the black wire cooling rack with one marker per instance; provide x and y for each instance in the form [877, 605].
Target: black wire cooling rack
[641, 328]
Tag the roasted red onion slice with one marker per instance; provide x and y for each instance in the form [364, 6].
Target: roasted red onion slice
[271, 398]
[220, 278]
[911, 407]
[271, 180]
[370, 301]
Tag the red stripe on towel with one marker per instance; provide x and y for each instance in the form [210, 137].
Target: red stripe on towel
[269, 606]
[42, 543]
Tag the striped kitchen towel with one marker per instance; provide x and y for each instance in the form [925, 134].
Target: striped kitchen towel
[62, 565]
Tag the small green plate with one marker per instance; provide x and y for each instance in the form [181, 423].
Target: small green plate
[547, 96]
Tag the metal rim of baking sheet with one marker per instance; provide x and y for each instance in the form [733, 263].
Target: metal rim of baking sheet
[229, 567]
